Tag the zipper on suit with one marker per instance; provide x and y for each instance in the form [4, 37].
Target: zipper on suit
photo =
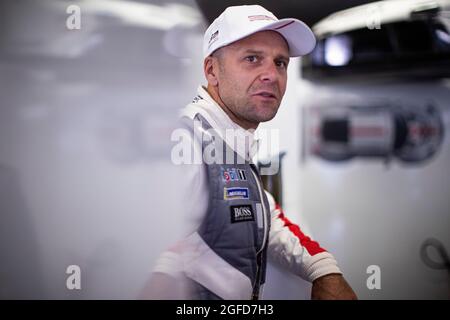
[259, 253]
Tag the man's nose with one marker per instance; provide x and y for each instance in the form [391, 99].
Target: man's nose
[270, 72]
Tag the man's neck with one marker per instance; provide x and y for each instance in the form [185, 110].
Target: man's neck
[213, 92]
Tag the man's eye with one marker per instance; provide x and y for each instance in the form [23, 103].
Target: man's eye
[251, 58]
[281, 64]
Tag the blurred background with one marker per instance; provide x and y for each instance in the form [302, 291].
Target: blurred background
[87, 108]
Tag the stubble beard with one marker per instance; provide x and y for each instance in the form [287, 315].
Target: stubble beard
[244, 108]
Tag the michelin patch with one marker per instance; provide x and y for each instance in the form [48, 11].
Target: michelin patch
[235, 193]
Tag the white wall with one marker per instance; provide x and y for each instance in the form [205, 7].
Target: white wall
[364, 211]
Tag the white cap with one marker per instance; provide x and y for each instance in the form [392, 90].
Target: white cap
[238, 22]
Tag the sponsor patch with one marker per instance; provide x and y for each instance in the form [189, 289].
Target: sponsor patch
[242, 175]
[242, 213]
[232, 174]
[235, 193]
[197, 99]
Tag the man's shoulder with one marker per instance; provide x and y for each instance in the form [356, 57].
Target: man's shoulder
[196, 106]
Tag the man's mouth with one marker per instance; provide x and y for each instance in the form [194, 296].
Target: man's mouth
[266, 94]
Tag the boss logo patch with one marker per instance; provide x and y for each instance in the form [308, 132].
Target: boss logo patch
[242, 213]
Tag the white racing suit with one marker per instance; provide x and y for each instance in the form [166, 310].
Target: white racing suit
[236, 225]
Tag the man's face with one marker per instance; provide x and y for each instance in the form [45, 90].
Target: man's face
[252, 77]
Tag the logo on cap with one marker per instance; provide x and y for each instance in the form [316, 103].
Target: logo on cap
[213, 38]
[261, 17]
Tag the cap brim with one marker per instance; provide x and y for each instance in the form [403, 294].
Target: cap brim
[298, 35]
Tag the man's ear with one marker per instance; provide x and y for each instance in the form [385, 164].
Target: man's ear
[210, 67]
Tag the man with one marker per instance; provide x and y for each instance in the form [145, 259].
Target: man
[246, 55]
